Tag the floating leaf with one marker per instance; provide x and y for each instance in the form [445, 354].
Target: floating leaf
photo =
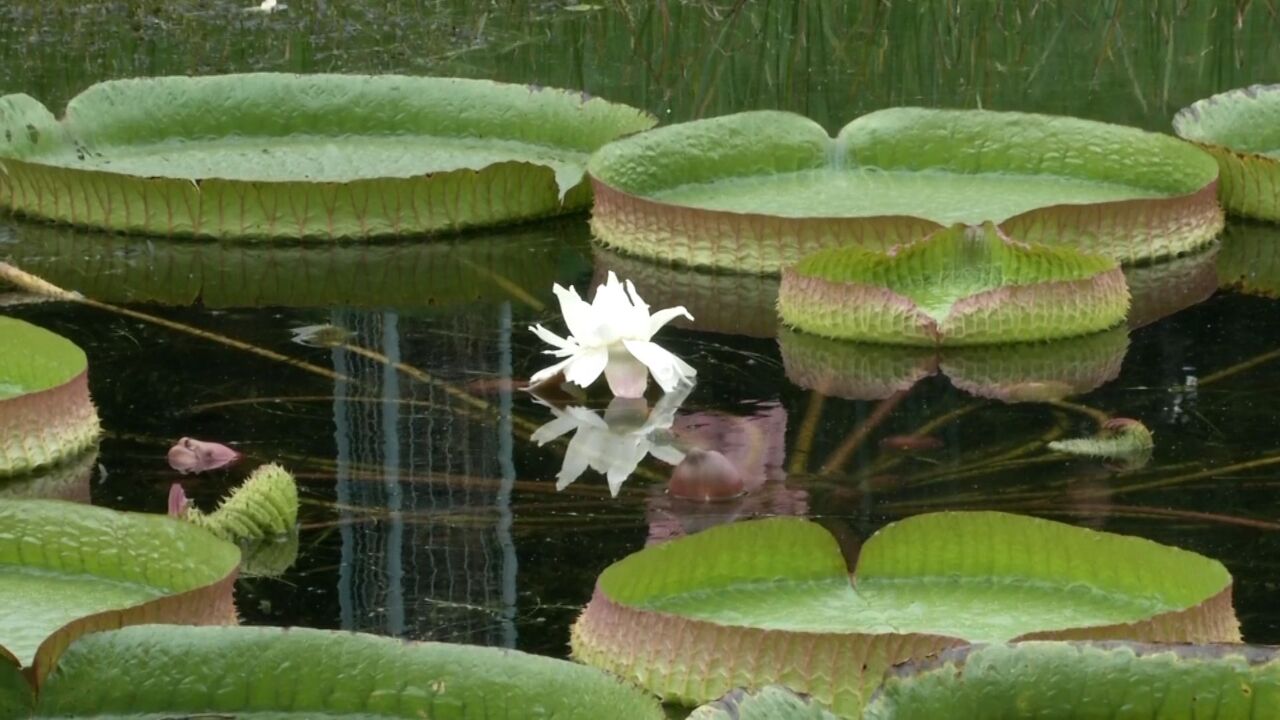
[92, 568]
[768, 703]
[264, 506]
[516, 265]
[155, 671]
[959, 286]
[771, 602]
[304, 156]
[1118, 439]
[1241, 129]
[757, 191]
[1023, 372]
[46, 415]
[1054, 680]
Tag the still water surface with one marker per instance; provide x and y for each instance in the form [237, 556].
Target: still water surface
[428, 510]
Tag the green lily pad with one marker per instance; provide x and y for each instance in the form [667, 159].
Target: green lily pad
[1023, 372]
[771, 602]
[959, 286]
[515, 265]
[1241, 129]
[768, 703]
[168, 672]
[1249, 262]
[1059, 681]
[268, 155]
[46, 414]
[67, 569]
[757, 191]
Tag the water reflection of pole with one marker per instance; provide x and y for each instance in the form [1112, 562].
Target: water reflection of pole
[342, 478]
[391, 474]
[506, 462]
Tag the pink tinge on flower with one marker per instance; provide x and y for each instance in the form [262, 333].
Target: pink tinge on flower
[196, 456]
[178, 501]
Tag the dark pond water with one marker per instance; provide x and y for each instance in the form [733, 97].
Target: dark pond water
[429, 512]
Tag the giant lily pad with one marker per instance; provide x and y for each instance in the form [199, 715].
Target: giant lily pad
[514, 266]
[767, 703]
[309, 156]
[757, 191]
[68, 569]
[45, 411]
[1161, 289]
[155, 671]
[1021, 372]
[1059, 681]
[771, 602]
[1241, 129]
[959, 286]
[1250, 259]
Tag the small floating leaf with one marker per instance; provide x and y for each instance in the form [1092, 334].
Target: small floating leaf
[1118, 439]
[1062, 681]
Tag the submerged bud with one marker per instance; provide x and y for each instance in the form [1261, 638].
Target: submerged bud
[705, 476]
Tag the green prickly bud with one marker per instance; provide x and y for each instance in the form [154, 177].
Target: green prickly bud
[265, 506]
[1119, 439]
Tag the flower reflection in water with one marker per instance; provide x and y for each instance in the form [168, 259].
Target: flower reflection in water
[615, 444]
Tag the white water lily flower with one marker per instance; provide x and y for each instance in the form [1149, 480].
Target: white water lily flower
[615, 444]
[611, 335]
[267, 6]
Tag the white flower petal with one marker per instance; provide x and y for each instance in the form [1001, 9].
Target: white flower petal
[585, 367]
[575, 463]
[627, 376]
[547, 373]
[624, 457]
[578, 315]
[551, 338]
[662, 317]
[667, 369]
[663, 415]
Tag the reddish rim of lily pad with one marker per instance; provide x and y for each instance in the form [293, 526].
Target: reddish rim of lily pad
[51, 417]
[630, 176]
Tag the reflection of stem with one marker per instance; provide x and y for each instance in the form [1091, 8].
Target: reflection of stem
[804, 438]
[1263, 461]
[842, 454]
[884, 462]
[1097, 415]
[32, 284]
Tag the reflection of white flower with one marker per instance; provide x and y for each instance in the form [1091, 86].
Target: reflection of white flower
[267, 6]
[615, 444]
[611, 335]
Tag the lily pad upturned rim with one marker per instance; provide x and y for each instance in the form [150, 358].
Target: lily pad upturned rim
[53, 417]
[153, 670]
[693, 660]
[196, 588]
[1250, 176]
[627, 173]
[1015, 673]
[54, 168]
[1045, 292]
